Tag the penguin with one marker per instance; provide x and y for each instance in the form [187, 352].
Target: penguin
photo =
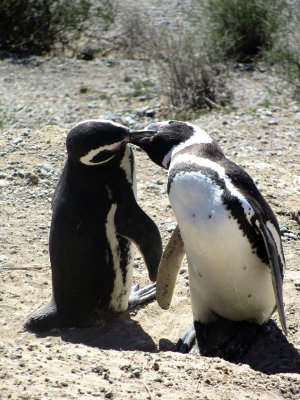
[95, 224]
[229, 234]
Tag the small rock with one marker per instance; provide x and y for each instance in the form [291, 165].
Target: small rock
[153, 186]
[3, 258]
[17, 141]
[3, 183]
[142, 111]
[272, 123]
[291, 235]
[150, 113]
[48, 167]
[111, 116]
[136, 372]
[283, 229]
[156, 366]
[142, 98]
[31, 178]
[171, 228]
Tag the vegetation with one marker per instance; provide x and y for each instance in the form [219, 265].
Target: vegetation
[191, 74]
[35, 26]
[244, 28]
[192, 60]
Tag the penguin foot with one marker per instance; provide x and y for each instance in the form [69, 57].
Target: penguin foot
[225, 339]
[186, 341]
[44, 319]
[141, 295]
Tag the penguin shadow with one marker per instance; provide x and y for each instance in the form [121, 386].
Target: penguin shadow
[271, 352]
[119, 333]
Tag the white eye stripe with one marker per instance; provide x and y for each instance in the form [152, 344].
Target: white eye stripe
[87, 158]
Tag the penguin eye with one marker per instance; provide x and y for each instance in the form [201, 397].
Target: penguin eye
[102, 156]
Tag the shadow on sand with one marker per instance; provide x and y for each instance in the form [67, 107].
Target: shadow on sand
[120, 333]
[271, 353]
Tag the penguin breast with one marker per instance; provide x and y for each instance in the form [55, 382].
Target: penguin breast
[227, 277]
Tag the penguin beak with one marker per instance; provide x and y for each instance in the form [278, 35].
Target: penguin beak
[135, 136]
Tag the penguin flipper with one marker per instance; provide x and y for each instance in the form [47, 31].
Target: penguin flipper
[275, 271]
[139, 228]
[169, 268]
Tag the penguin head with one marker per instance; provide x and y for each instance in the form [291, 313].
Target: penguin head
[96, 142]
[162, 139]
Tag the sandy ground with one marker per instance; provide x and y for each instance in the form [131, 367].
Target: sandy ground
[131, 357]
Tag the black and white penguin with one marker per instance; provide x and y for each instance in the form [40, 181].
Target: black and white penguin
[230, 236]
[95, 222]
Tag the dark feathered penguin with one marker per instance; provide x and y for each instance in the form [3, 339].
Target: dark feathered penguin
[95, 222]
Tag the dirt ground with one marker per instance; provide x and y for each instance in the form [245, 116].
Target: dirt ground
[131, 357]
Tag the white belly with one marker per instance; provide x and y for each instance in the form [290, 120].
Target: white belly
[226, 278]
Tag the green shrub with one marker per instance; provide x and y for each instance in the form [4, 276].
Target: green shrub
[243, 28]
[34, 26]
[284, 56]
[191, 74]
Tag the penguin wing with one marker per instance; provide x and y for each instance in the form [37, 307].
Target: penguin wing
[58, 188]
[269, 230]
[169, 268]
[271, 247]
[134, 224]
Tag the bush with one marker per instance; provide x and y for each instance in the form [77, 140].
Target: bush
[34, 26]
[243, 28]
[191, 74]
[284, 56]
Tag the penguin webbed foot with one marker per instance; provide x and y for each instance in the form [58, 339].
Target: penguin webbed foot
[186, 341]
[44, 319]
[140, 295]
[225, 339]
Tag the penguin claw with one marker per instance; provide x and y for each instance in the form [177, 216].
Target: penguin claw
[186, 341]
[141, 295]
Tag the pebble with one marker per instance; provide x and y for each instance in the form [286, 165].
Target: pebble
[17, 141]
[111, 116]
[48, 167]
[283, 229]
[3, 258]
[153, 186]
[291, 235]
[3, 183]
[31, 178]
[171, 228]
